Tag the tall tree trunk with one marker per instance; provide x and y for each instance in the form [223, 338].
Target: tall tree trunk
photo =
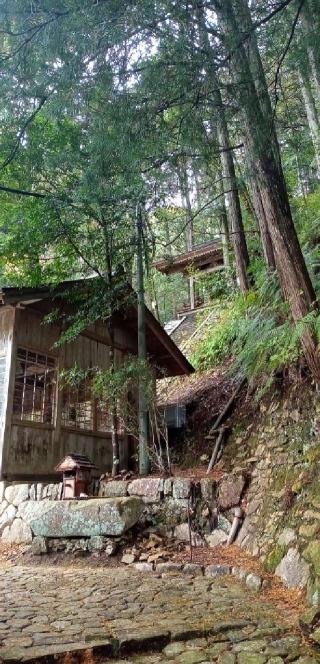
[144, 459]
[167, 237]
[312, 46]
[233, 205]
[229, 176]
[245, 28]
[197, 181]
[312, 115]
[293, 274]
[266, 243]
[114, 413]
[184, 187]
[109, 276]
[255, 207]
[259, 79]
[304, 183]
[224, 229]
[225, 240]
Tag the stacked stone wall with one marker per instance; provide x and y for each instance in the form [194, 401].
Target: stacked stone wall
[13, 528]
[280, 453]
[167, 503]
[167, 506]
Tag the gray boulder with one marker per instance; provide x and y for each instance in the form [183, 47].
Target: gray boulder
[169, 512]
[7, 516]
[254, 581]
[83, 518]
[181, 532]
[52, 491]
[217, 570]
[293, 571]
[3, 506]
[224, 524]
[149, 488]
[39, 546]
[17, 493]
[230, 491]
[18, 533]
[117, 515]
[208, 489]
[113, 489]
[181, 488]
[286, 536]
[216, 537]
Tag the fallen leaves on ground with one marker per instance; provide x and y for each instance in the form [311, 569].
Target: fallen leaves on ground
[152, 548]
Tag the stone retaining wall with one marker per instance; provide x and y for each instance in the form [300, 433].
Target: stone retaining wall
[211, 505]
[280, 452]
[166, 505]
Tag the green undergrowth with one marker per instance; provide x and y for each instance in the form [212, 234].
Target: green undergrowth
[256, 330]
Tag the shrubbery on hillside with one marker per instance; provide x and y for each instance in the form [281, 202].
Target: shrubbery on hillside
[256, 329]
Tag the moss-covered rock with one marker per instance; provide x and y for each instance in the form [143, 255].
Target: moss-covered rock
[274, 557]
[309, 619]
[312, 555]
[309, 530]
[313, 592]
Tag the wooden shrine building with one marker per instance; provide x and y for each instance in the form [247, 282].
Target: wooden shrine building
[207, 257]
[41, 421]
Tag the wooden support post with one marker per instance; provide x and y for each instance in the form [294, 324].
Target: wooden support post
[219, 420]
[144, 460]
[216, 449]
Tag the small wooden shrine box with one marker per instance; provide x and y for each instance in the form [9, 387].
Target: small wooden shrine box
[76, 478]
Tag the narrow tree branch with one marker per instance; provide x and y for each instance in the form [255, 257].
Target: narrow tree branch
[21, 134]
[286, 49]
[22, 192]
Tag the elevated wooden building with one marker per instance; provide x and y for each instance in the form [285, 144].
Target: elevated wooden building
[207, 257]
[203, 258]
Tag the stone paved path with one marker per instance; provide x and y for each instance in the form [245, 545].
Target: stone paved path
[47, 611]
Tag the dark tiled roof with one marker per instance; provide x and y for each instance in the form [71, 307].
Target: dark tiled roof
[209, 250]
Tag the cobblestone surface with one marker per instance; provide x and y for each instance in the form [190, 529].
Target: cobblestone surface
[48, 611]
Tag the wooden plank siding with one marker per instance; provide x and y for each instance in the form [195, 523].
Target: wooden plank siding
[31, 449]
[7, 345]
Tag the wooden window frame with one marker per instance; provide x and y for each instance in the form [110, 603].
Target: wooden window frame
[95, 428]
[45, 364]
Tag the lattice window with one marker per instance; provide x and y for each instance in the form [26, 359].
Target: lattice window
[35, 387]
[82, 410]
[77, 407]
[103, 417]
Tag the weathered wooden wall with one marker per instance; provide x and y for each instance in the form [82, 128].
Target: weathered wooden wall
[33, 449]
[7, 316]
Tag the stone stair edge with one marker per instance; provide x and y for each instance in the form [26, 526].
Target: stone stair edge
[121, 645]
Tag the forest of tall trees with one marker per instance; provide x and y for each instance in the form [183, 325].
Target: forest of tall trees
[205, 115]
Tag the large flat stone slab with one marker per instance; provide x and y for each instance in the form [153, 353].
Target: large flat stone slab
[82, 518]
